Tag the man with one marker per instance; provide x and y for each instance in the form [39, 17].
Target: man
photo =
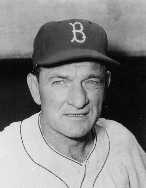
[67, 144]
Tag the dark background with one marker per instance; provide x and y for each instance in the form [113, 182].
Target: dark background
[125, 102]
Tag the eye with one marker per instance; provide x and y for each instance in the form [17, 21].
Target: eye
[58, 82]
[94, 83]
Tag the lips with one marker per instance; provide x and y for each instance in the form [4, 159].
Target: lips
[77, 114]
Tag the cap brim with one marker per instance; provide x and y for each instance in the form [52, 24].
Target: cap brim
[73, 55]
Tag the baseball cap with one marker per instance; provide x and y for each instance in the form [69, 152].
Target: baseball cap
[70, 40]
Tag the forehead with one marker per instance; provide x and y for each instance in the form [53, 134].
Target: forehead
[78, 68]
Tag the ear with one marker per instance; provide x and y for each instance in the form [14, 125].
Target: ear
[108, 78]
[107, 82]
[33, 86]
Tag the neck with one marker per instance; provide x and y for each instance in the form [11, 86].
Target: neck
[76, 148]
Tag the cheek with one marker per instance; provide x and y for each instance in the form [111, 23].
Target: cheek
[96, 101]
[52, 99]
[96, 98]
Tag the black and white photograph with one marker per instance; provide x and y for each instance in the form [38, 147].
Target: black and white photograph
[72, 94]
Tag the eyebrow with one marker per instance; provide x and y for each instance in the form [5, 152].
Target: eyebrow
[94, 76]
[58, 76]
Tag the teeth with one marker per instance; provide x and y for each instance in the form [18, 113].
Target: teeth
[75, 115]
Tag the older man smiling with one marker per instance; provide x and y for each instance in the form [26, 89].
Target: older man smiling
[67, 144]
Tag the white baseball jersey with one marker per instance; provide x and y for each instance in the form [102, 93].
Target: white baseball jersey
[26, 161]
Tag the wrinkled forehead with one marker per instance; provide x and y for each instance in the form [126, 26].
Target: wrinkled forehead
[80, 68]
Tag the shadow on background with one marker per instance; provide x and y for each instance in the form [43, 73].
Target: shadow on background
[125, 101]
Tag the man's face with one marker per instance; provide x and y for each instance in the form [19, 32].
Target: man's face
[71, 97]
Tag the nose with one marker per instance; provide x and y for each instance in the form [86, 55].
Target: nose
[77, 96]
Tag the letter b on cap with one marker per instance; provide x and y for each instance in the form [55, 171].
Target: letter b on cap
[78, 28]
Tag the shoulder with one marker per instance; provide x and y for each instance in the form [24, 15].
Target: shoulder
[10, 131]
[123, 143]
[33, 119]
[10, 137]
[120, 137]
[14, 127]
[125, 151]
[114, 128]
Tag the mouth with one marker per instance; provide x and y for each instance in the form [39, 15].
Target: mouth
[77, 115]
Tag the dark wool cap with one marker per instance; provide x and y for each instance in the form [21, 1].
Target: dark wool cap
[69, 41]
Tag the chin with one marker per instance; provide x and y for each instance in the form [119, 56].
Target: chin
[79, 136]
[79, 132]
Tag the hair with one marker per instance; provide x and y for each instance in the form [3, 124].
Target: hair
[36, 71]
